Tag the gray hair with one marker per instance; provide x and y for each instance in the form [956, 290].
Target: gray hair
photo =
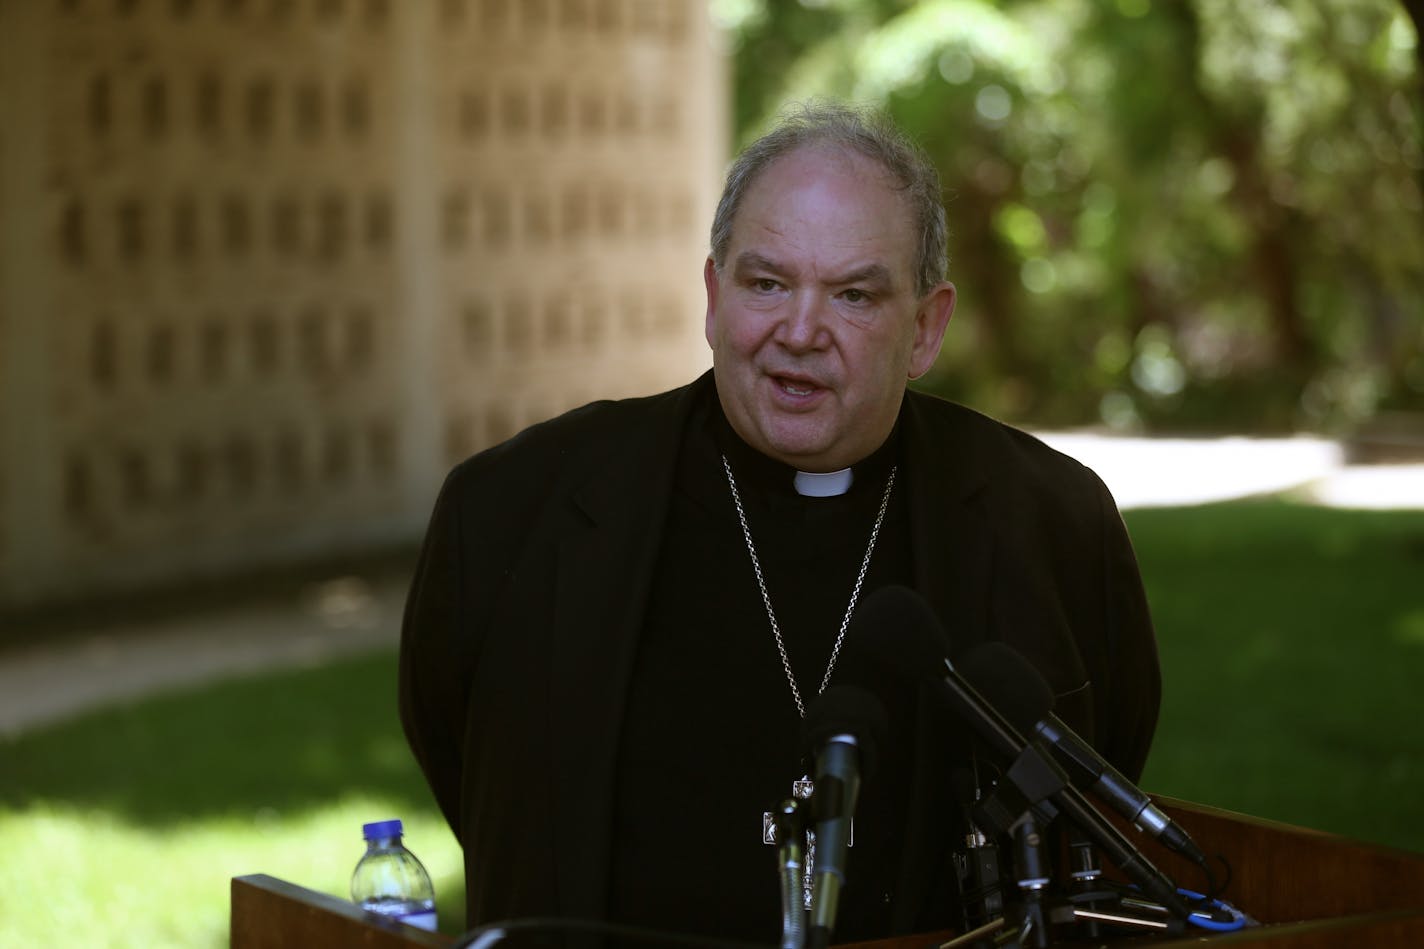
[868, 132]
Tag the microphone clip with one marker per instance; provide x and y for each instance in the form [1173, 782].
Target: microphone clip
[1025, 788]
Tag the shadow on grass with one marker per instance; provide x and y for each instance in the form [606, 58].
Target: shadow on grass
[288, 741]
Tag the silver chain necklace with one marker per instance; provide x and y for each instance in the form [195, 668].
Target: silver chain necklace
[766, 597]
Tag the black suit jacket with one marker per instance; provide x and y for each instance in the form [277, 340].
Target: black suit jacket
[522, 623]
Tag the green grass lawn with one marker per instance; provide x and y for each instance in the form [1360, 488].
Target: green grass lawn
[1292, 643]
[123, 828]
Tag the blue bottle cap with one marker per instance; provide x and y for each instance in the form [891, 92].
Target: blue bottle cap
[382, 828]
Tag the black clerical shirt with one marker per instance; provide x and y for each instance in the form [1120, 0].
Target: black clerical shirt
[711, 735]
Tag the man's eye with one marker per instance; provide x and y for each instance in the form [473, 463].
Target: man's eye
[764, 284]
[855, 296]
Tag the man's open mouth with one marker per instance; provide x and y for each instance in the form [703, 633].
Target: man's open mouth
[796, 386]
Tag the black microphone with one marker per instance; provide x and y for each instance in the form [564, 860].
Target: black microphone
[789, 824]
[844, 726]
[908, 637]
[1011, 683]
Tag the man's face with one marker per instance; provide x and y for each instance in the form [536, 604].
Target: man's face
[814, 323]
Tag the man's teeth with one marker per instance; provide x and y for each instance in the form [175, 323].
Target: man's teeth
[794, 389]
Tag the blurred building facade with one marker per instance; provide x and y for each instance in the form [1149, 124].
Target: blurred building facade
[271, 267]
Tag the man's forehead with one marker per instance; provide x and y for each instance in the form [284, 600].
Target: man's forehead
[810, 170]
[826, 205]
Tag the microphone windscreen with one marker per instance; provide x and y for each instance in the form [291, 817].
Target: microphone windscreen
[1009, 682]
[895, 630]
[842, 710]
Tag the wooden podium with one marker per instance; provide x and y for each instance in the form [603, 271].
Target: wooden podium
[1310, 890]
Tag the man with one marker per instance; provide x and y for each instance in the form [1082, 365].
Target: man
[620, 615]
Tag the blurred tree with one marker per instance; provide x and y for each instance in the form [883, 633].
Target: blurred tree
[1175, 214]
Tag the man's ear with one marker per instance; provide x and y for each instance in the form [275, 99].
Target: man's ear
[709, 280]
[931, 319]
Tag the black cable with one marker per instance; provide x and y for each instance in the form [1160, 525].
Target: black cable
[1216, 890]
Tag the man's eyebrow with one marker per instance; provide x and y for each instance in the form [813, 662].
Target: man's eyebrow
[872, 273]
[751, 260]
[877, 274]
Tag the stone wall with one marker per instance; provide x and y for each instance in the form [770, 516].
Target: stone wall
[271, 267]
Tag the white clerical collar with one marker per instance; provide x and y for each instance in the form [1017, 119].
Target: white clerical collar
[829, 484]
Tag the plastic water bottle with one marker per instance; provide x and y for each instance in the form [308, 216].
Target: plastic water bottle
[390, 881]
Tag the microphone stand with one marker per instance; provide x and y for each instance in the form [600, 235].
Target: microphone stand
[1084, 872]
[1031, 869]
[1021, 806]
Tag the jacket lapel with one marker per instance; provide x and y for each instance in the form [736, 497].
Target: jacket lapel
[605, 567]
[949, 531]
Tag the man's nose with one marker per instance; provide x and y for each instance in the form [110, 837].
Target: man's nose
[805, 323]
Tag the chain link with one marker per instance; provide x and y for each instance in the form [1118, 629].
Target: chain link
[766, 597]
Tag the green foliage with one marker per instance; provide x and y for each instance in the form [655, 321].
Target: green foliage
[1164, 214]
